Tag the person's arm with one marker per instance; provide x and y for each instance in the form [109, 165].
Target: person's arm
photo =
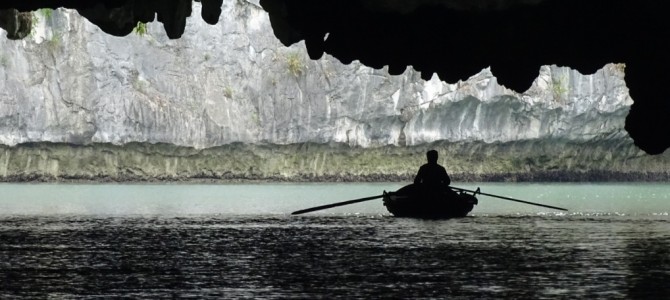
[419, 175]
[445, 177]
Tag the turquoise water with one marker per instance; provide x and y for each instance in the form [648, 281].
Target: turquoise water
[277, 199]
[238, 241]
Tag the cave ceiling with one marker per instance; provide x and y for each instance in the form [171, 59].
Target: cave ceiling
[452, 38]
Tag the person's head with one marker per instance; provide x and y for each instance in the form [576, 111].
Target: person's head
[431, 156]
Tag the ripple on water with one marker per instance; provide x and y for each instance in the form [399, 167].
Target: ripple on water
[349, 256]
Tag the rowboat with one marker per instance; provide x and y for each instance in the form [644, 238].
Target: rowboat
[415, 201]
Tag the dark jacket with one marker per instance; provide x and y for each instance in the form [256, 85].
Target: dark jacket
[432, 174]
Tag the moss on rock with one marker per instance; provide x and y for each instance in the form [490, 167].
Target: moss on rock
[519, 161]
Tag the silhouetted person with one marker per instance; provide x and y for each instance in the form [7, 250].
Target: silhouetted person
[432, 175]
[433, 181]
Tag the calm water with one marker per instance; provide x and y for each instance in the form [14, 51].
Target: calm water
[238, 241]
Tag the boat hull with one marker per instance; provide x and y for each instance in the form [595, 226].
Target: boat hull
[413, 201]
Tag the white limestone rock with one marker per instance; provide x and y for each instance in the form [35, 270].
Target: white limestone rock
[234, 82]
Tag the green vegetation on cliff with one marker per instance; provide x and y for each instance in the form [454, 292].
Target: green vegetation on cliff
[140, 29]
[519, 161]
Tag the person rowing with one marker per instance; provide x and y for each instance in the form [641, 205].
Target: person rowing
[432, 178]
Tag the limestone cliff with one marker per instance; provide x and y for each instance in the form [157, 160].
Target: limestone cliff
[235, 83]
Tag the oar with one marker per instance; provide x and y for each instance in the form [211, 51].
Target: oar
[302, 211]
[508, 198]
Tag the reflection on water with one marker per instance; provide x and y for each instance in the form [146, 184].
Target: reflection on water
[345, 257]
[649, 263]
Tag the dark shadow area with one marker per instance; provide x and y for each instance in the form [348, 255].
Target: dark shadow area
[649, 263]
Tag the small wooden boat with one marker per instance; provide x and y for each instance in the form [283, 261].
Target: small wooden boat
[415, 201]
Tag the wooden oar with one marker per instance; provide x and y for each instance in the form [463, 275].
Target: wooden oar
[508, 198]
[302, 211]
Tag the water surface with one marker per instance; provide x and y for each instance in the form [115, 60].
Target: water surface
[238, 241]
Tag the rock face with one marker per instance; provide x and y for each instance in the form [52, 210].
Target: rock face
[69, 82]
[453, 38]
[230, 102]
[16, 24]
[456, 40]
[532, 160]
